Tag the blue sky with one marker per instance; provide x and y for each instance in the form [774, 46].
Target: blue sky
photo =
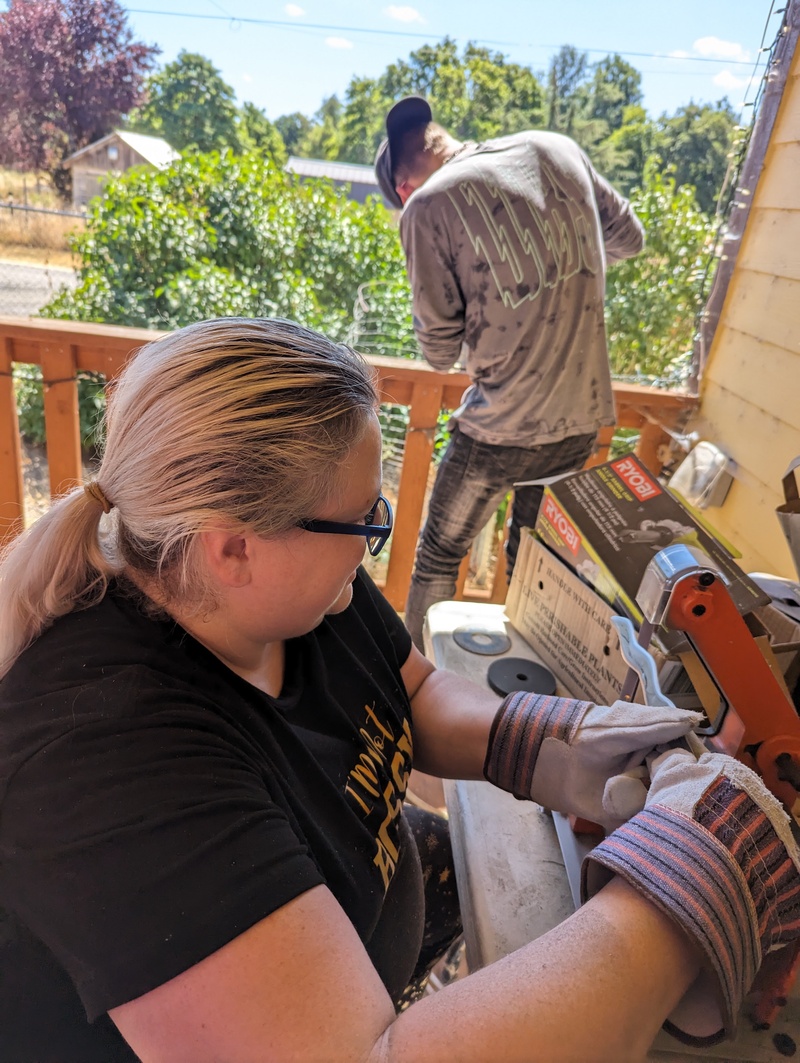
[301, 51]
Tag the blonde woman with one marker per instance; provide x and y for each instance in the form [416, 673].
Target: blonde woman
[208, 715]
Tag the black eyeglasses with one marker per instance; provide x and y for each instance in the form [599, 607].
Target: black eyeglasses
[376, 529]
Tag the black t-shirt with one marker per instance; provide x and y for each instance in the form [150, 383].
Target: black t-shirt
[154, 805]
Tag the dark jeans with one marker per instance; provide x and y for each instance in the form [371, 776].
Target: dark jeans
[472, 480]
[442, 928]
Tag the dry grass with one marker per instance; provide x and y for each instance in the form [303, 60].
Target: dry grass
[28, 237]
[31, 189]
[21, 230]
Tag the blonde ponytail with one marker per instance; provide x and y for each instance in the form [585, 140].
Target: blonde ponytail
[53, 567]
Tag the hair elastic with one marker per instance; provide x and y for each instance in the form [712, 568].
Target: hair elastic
[95, 491]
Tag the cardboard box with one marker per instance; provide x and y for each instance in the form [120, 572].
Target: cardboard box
[566, 623]
[607, 523]
[569, 627]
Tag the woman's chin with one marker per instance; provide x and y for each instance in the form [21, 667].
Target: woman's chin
[343, 601]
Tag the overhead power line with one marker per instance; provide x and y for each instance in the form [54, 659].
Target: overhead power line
[298, 25]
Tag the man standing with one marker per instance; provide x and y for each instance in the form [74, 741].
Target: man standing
[506, 245]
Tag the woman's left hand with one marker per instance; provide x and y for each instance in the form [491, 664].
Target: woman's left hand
[578, 757]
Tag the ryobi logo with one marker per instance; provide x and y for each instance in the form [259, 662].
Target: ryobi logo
[636, 478]
[562, 524]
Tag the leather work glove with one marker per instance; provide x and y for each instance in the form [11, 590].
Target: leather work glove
[578, 757]
[714, 850]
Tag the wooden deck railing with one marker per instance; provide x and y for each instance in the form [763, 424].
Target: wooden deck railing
[64, 348]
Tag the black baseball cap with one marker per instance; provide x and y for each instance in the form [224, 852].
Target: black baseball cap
[409, 113]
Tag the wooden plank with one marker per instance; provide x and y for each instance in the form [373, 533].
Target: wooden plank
[78, 333]
[762, 451]
[62, 423]
[773, 243]
[500, 581]
[764, 307]
[417, 455]
[787, 125]
[461, 578]
[12, 507]
[747, 520]
[763, 446]
[778, 186]
[765, 376]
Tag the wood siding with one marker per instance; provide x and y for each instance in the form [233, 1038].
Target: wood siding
[750, 391]
[91, 168]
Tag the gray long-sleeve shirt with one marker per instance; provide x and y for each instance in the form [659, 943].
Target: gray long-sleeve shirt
[506, 248]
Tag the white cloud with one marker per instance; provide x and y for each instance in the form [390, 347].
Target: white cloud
[403, 13]
[728, 81]
[338, 42]
[294, 10]
[679, 55]
[715, 48]
[247, 78]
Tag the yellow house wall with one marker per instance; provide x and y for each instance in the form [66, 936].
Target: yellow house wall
[750, 392]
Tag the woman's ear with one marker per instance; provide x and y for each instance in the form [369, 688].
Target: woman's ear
[228, 557]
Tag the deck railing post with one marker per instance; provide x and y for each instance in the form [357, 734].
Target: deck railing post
[11, 486]
[61, 417]
[648, 449]
[426, 402]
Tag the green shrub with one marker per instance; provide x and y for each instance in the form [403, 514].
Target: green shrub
[29, 393]
[220, 235]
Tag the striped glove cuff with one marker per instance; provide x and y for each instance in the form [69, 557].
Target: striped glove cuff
[522, 723]
[723, 875]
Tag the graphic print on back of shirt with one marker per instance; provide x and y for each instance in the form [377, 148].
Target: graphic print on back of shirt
[377, 784]
[541, 250]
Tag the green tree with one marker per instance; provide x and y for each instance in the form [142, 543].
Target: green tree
[566, 96]
[257, 133]
[696, 141]
[362, 126]
[626, 151]
[220, 234]
[474, 96]
[615, 87]
[292, 128]
[653, 300]
[69, 71]
[589, 103]
[190, 106]
[323, 138]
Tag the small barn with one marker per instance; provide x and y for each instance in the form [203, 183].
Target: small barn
[360, 181]
[117, 152]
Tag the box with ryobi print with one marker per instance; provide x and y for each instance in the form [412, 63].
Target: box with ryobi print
[607, 522]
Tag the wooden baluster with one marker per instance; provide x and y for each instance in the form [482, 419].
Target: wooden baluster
[11, 485]
[417, 453]
[500, 580]
[604, 437]
[461, 579]
[649, 446]
[61, 419]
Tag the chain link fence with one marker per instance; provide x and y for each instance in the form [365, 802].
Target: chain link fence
[35, 261]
